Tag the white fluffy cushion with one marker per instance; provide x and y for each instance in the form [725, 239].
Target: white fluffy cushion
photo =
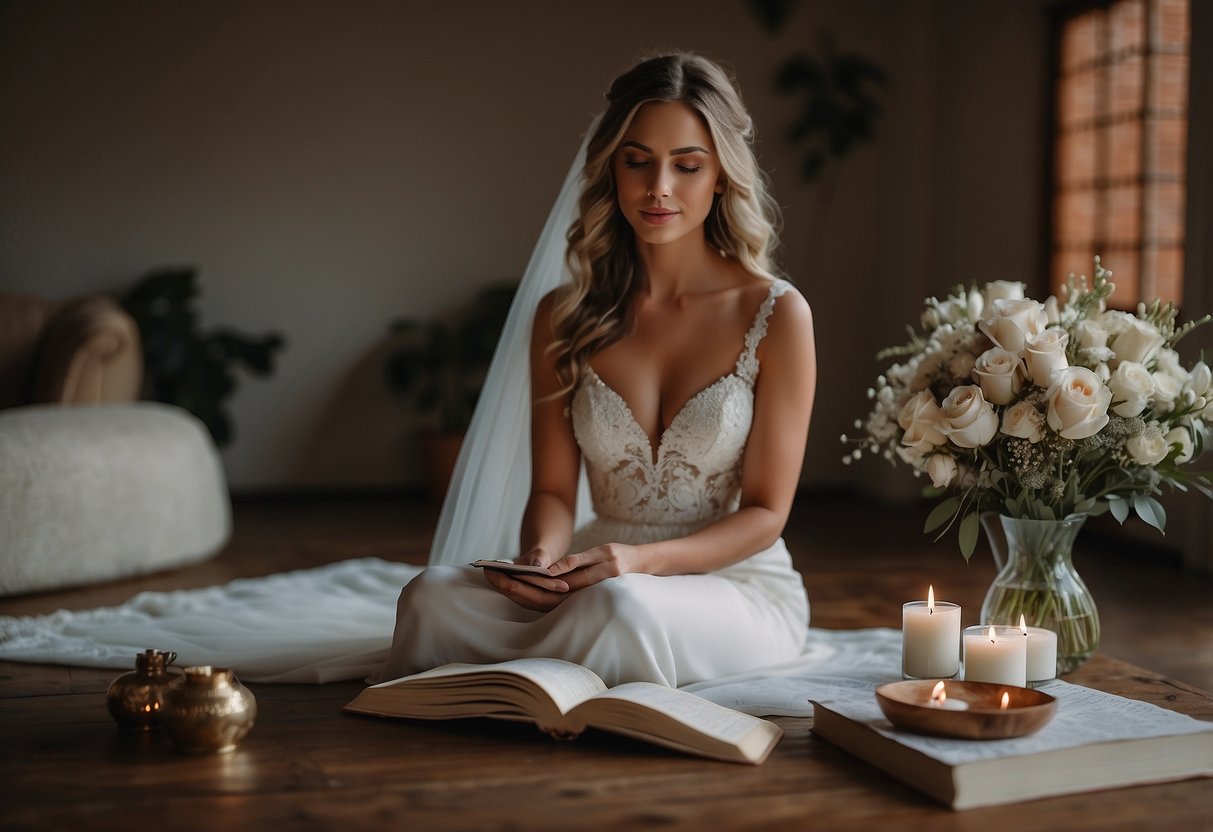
[96, 492]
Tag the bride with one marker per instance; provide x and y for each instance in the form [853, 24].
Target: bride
[660, 368]
[679, 371]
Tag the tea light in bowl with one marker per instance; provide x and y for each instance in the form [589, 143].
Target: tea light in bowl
[996, 654]
[930, 638]
[1042, 652]
[939, 699]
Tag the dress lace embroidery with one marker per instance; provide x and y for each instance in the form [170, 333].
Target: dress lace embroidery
[695, 476]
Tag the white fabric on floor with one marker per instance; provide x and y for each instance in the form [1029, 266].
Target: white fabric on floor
[335, 622]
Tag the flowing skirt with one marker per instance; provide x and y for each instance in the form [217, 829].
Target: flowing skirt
[672, 630]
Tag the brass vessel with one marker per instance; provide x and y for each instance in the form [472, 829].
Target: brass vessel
[211, 712]
[137, 698]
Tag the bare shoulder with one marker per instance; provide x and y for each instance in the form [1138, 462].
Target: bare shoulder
[541, 329]
[792, 318]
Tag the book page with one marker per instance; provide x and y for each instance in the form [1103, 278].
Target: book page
[565, 682]
[1084, 716]
[705, 717]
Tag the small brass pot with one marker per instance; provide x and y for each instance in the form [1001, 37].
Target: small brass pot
[137, 699]
[211, 712]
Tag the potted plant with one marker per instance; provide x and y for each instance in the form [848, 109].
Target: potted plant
[440, 366]
[188, 367]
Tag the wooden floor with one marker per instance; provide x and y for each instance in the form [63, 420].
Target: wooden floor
[308, 766]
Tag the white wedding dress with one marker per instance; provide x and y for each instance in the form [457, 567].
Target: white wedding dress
[674, 630]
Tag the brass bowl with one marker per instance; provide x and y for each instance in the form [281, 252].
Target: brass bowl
[908, 706]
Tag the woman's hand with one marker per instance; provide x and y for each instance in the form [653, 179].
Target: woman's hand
[587, 568]
[534, 592]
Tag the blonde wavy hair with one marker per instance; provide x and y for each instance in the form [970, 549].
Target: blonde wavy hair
[594, 311]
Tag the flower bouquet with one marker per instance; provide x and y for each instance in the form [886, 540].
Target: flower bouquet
[1045, 414]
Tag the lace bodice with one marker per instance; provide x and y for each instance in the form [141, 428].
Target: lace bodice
[695, 476]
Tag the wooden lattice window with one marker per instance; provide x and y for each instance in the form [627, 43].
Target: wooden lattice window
[1120, 141]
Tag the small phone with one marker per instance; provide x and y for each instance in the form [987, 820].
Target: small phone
[510, 566]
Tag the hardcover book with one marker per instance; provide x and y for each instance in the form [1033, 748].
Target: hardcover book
[564, 699]
[1096, 741]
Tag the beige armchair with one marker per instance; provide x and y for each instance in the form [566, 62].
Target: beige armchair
[114, 488]
[80, 351]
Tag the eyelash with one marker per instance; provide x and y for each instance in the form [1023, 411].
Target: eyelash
[681, 169]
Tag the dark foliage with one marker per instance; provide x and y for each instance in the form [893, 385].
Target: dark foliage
[184, 366]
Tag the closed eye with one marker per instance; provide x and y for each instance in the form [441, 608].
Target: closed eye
[685, 169]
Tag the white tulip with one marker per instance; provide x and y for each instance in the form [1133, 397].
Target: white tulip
[1182, 437]
[1131, 386]
[1138, 341]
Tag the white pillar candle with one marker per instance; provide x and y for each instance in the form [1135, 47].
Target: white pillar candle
[996, 654]
[1042, 652]
[930, 638]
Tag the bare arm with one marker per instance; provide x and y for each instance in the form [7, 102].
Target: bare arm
[547, 524]
[783, 403]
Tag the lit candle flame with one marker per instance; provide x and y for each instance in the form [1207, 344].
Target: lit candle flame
[1006, 700]
[931, 599]
[938, 694]
[991, 634]
[1023, 625]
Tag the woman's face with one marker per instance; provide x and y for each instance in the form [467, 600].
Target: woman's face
[666, 172]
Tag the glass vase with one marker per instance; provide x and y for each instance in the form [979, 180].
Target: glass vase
[1036, 579]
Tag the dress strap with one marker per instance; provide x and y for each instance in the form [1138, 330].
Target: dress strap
[747, 363]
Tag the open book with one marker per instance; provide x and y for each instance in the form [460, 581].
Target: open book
[1096, 741]
[564, 699]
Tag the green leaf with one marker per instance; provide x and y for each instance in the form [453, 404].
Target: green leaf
[1120, 509]
[969, 527]
[941, 514]
[1151, 511]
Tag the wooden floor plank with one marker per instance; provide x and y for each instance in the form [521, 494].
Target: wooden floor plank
[308, 765]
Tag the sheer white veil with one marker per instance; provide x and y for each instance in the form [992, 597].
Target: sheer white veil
[482, 514]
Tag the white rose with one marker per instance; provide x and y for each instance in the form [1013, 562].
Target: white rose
[1023, 420]
[920, 419]
[1000, 374]
[1044, 354]
[1166, 390]
[1078, 403]
[1182, 437]
[942, 470]
[1200, 379]
[1012, 321]
[968, 419]
[1131, 386]
[1137, 341]
[1000, 290]
[1148, 447]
